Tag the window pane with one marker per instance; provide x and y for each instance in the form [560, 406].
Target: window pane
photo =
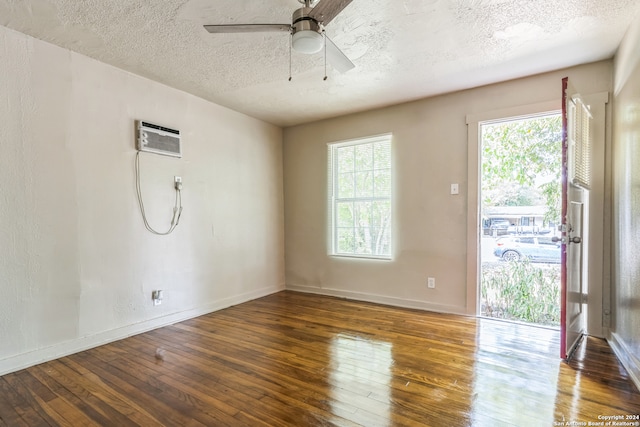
[382, 183]
[384, 241]
[381, 213]
[364, 184]
[364, 157]
[345, 159]
[363, 241]
[363, 213]
[346, 241]
[345, 214]
[382, 155]
[345, 185]
[379, 241]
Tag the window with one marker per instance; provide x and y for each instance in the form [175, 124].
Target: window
[360, 197]
[579, 143]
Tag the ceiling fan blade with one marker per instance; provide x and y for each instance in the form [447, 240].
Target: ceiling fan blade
[247, 28]
[326, 10]
[337, 58]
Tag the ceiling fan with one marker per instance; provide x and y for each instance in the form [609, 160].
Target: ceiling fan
[306, 29]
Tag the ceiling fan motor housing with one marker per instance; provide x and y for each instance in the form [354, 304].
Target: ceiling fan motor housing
[306, 32]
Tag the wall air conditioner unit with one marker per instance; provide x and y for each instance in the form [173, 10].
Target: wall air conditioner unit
[158, 139]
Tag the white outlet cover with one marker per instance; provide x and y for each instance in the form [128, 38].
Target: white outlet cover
[455, 189]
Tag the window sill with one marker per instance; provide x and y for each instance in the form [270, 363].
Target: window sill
[356, 256]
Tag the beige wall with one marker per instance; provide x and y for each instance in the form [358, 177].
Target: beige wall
[77, 266]
[430, 152]
[626, 203]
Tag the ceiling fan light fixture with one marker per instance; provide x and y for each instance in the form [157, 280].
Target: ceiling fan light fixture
[306, 30]
[307, 41]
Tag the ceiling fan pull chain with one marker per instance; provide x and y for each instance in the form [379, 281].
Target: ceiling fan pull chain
[290, 47]
[325, 54]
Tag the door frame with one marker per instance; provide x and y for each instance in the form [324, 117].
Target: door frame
[598, 302]
[474, 165]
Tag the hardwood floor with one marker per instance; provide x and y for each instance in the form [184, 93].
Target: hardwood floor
[293, 359]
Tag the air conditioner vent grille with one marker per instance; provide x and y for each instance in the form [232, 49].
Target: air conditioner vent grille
[162, 128]
[158, 139]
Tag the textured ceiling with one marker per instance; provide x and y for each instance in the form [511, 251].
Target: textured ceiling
[402, 49]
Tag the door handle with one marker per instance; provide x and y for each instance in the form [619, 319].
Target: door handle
[575, 239]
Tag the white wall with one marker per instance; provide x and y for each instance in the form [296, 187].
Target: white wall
[625, 337]
[77, 266]
[430, 152]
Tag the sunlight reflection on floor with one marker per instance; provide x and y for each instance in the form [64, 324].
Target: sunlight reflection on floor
[361, 375]
[506, 389]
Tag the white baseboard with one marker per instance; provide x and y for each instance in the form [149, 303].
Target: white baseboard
[25, 360]
[380, 299]
[630, 362]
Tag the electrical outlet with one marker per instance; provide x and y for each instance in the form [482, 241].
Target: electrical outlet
[157, 296]
[455, 189]
[177, 181]
[431, 282]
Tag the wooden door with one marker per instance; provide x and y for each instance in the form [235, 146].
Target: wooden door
[575, 197]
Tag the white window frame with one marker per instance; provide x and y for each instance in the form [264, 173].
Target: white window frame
[333, 198]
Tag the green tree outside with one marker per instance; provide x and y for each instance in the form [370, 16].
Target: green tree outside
[521, 164]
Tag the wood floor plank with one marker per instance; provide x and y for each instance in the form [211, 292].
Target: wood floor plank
[230, 378]
[308, 360]
[77, 389]
[33, 410]
[171, 374]
[160, 406]
[250, 375]
[353, 380]
[200, 403]
[8, 413]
